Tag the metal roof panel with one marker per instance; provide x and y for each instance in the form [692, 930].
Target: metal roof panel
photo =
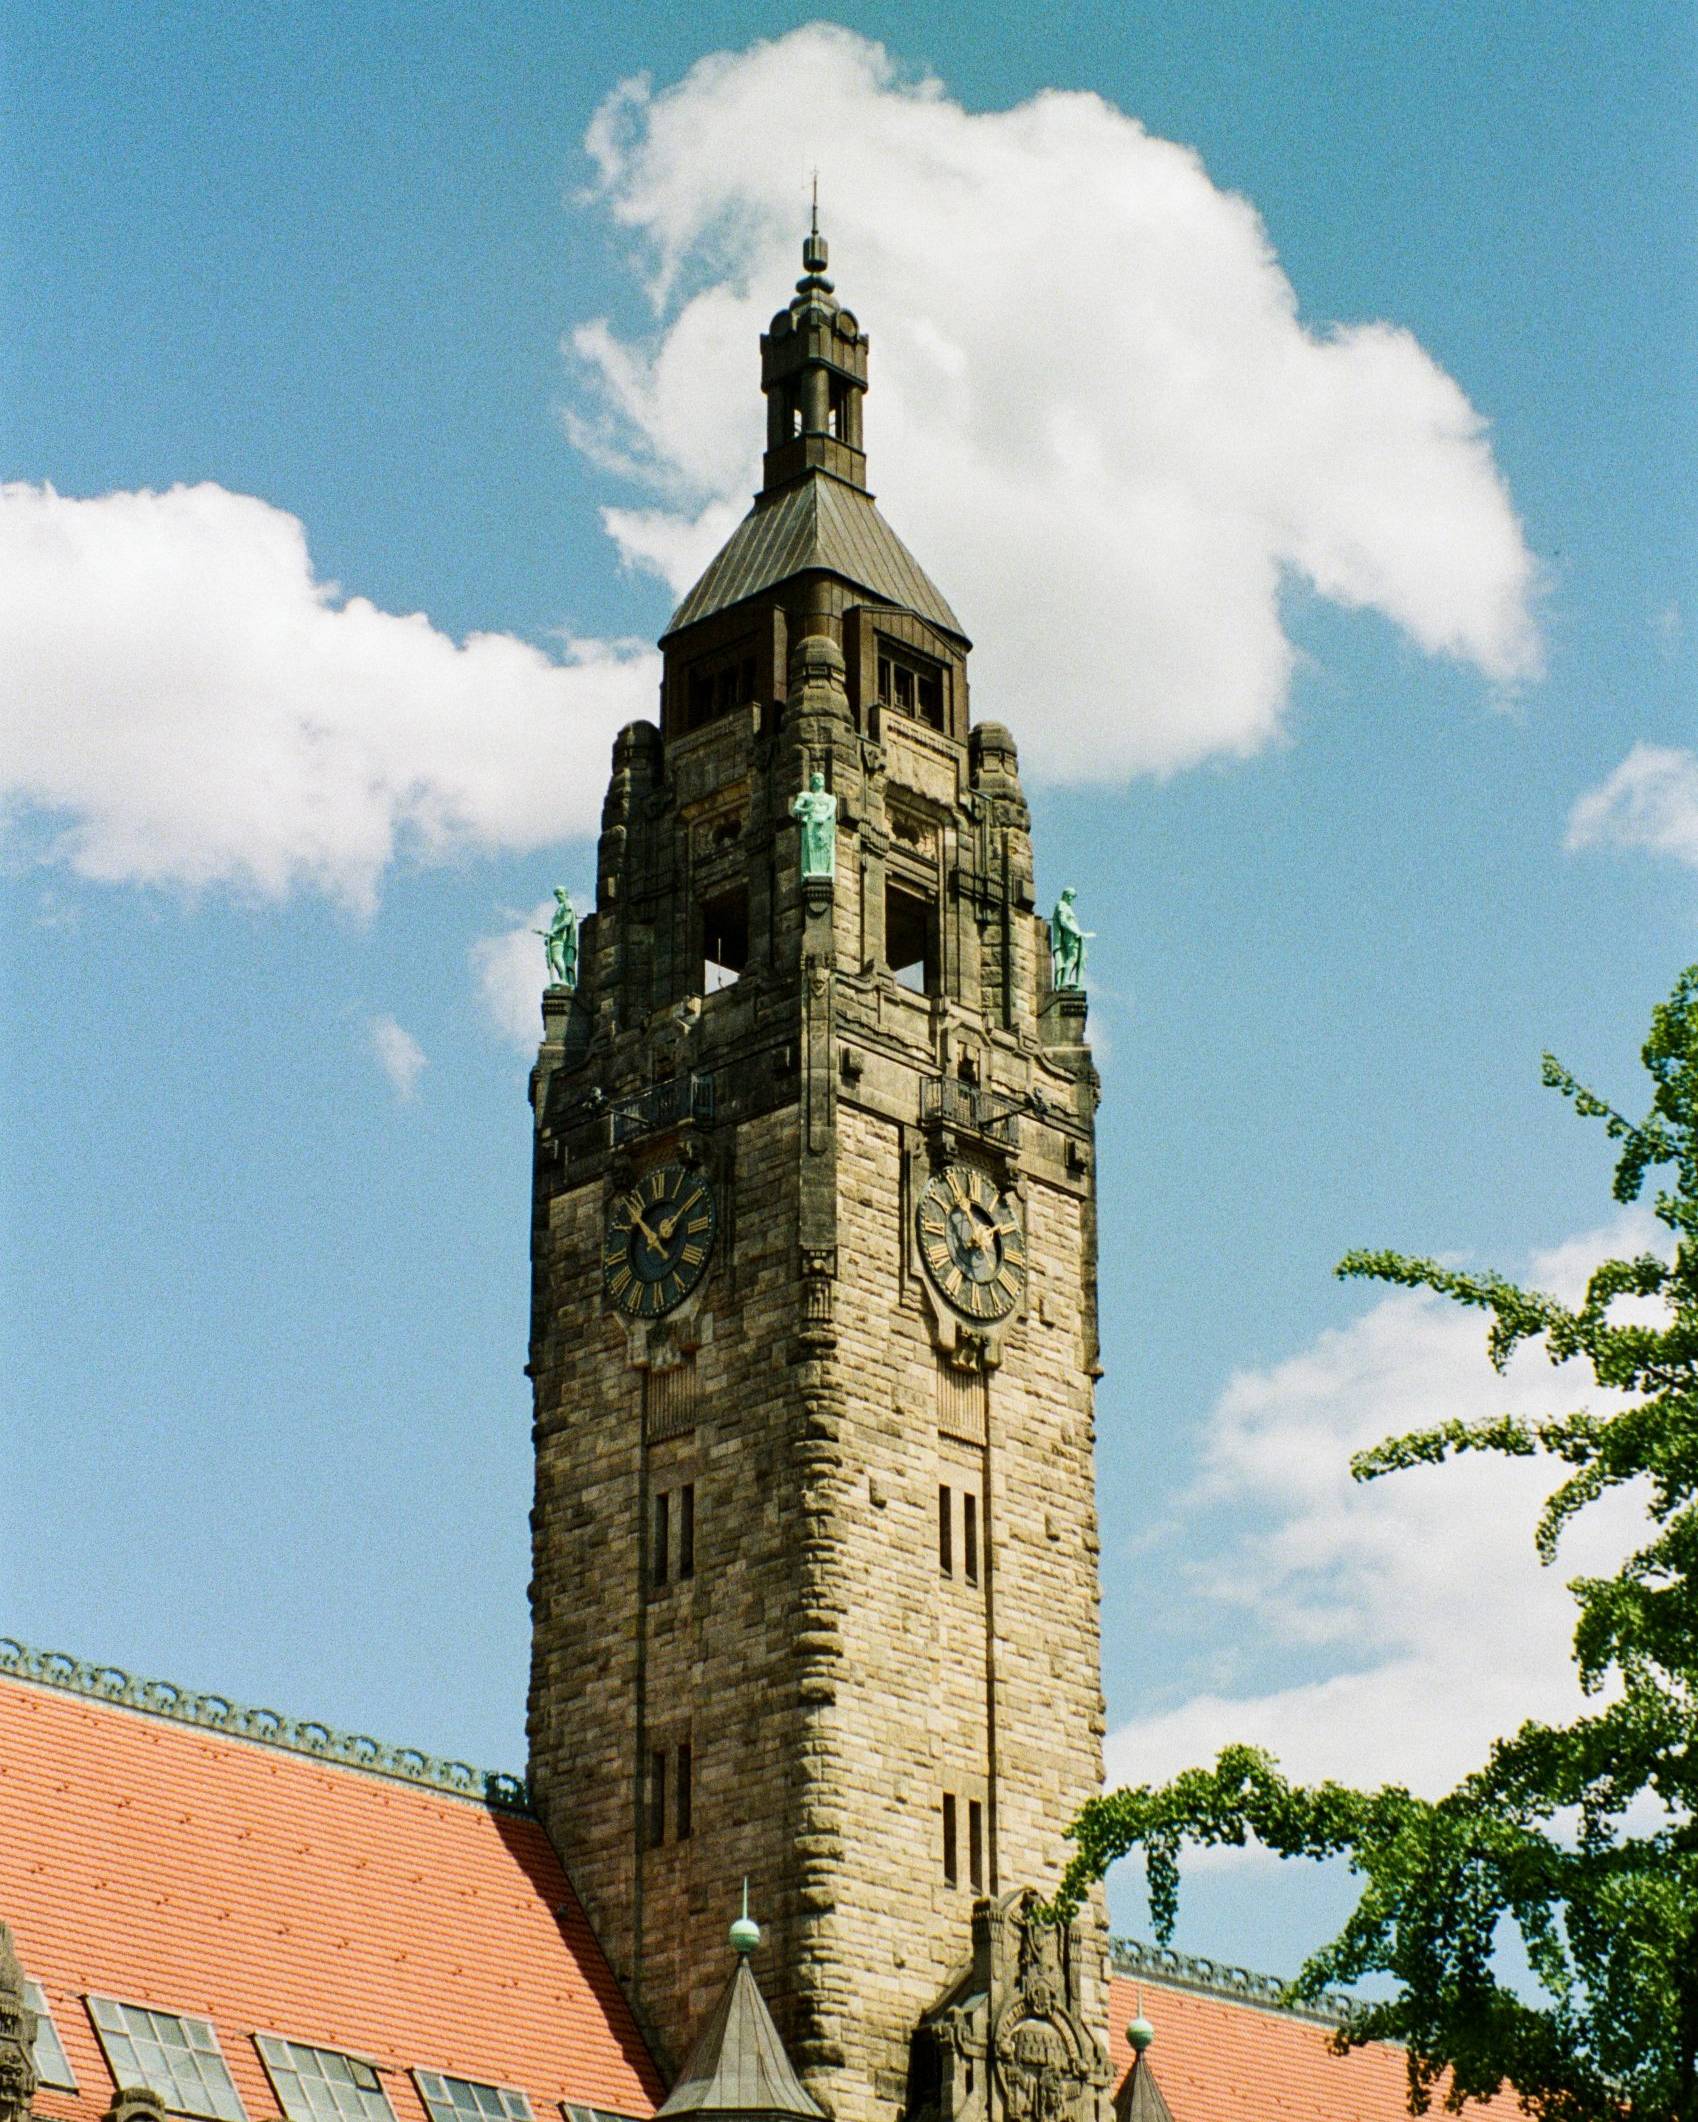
[819, 523]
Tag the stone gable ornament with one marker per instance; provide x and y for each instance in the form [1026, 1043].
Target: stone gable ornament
[1067, 942]
[1009, 2040]
[560, 941]
[815, 809]
[17, 2036]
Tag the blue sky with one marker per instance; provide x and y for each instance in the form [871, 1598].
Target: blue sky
[1364, 729]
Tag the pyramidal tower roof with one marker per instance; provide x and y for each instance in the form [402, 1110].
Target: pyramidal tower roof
[738, 2066]
[814, 512]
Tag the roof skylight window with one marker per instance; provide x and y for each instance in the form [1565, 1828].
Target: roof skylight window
[465, 2100]
[174, 2056]
[52, 2065]
[322, 2084]
[574, 2113]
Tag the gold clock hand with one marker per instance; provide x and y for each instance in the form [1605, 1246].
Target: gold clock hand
[637, 1219]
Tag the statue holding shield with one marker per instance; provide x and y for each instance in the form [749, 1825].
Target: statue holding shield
[815, 810]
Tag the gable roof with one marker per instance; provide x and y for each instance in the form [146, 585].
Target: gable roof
[1225, 2057]
[819, 523]
[273, 1893]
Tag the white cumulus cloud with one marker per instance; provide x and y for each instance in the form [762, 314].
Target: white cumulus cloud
[1096, 415]
[398, 1054]
[1650, 802]
[1409, 1618]
[185, 702]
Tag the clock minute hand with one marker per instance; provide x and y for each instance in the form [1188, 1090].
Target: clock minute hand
[637, 1219]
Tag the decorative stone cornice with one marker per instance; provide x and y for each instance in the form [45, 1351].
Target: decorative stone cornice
[1159, 1963]
[264, 1727]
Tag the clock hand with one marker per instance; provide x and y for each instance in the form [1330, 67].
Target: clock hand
[670, 1223]
[637, 1219]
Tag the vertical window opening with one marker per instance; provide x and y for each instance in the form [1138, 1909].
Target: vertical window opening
[969, 1536]
[945, 1534]
[662, 1536]
[725, 939]
[910, 939]
[976, 1844]
[657, 1798]
[717, 685]
[686, 1793]
[912, 688]
[686, 1538]
[950, 1872]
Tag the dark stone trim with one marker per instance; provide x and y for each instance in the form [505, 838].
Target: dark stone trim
[1159, 1963]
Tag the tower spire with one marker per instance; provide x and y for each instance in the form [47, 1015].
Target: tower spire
[814, 374]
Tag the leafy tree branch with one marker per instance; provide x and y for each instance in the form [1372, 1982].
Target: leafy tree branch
[1580, 1838]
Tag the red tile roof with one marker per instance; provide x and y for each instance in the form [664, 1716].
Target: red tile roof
[1223, 2059]
[272, 1893]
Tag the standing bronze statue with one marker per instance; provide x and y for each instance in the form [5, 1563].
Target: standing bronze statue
[560, 941]
[1067, 942]
[816, 809]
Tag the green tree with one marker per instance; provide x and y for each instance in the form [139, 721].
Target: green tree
[1583, 1838]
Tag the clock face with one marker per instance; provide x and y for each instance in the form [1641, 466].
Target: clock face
[658, 1237]
[972, 1243]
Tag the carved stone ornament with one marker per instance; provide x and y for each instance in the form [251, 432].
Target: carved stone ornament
[135, 2103]
[1008, 2040]
[819, 1272]
[17, 2036]
[1047, 2067]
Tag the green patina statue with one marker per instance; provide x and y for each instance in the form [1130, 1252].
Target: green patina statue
[816, 808]
[1067, 942]
[560, 941]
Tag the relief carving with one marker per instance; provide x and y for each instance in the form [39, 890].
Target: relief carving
[1008, 2041]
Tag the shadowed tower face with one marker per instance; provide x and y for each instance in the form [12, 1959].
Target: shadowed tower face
[814, 1335]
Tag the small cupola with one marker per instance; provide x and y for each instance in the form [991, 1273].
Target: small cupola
[814, 374]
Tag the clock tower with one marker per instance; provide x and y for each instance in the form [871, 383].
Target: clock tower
[814, 1328]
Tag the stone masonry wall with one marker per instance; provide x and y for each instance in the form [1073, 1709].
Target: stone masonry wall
[986, 1691]
[624, 1668]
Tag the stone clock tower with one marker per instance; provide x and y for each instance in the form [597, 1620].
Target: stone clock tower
[814, 1329]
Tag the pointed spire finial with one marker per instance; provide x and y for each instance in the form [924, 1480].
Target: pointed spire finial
[745, 1932]
[814, 252]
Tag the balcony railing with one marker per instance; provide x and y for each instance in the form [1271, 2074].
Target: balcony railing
[663, 1104]
[945, 1102]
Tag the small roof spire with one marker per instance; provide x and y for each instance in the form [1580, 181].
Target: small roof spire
[738, 2070]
